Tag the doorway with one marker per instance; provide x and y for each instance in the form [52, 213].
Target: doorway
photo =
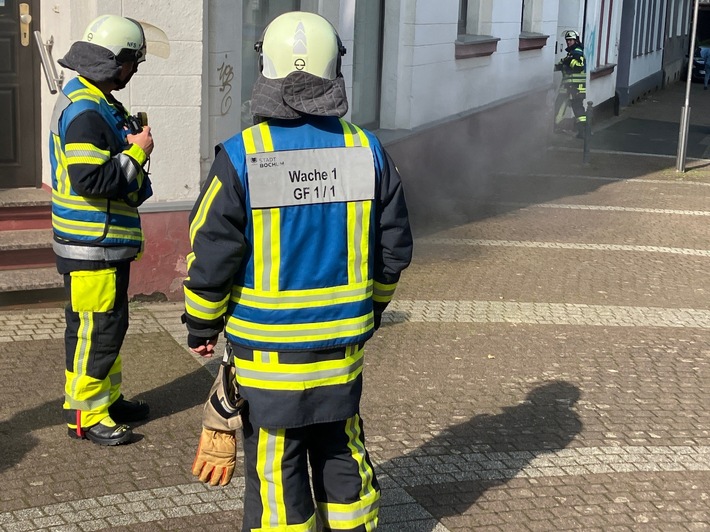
[20, 150]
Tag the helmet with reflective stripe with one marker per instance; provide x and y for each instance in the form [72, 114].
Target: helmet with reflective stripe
[300, 41]
[571, 34]
[124, 37]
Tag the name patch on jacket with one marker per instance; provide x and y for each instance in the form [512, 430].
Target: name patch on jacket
[307, 177]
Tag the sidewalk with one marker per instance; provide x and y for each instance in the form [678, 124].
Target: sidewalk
[652, 125]
[544, 366]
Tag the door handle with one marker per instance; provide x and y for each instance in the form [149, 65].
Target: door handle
[25, 21]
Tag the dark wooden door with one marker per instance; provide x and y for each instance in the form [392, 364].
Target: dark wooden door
[20, 148]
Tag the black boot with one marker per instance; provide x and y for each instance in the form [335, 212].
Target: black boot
[101, 434]
[123, 411]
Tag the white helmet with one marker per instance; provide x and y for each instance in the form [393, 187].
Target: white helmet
[300, 41]
[124, 37]
[571, 34]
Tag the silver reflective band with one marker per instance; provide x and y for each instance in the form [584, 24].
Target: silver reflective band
[108, 254]
[129, 169]
[307, 177]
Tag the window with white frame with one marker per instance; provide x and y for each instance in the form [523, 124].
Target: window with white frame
[604, 44]
[647, 27]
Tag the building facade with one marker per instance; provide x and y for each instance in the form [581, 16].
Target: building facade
[456, 89]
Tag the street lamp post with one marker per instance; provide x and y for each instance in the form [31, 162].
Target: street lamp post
[685, 112]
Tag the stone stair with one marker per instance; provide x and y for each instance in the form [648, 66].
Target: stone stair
[28, 276]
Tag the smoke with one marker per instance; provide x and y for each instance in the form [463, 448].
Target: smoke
[451, 171]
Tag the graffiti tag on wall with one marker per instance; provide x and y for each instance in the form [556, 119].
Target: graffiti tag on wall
[226, 75]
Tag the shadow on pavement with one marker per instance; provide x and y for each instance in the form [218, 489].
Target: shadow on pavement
[493, 449]
[16, 433]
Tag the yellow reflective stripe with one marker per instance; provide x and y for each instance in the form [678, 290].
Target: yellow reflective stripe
[248, 139]
[190, 259]
[257, 139]
[203, 209]
[78, 202]
[60, 173]
[347, 134]
[275, 252]
[364, 141]
[269, 457]
[300, 332]
[383, 293]
[353, 250]
[298, 377]
[308, 526]
[267, 248]
[358, 453]
[202, 308]
[353, 135]
[83, 94]
[365, 208]
[363, 512]
[257, 254]
[85, 153]
[93, 229]
[94, 403]
[296, 299]
[83, 343]
[266, 140]
[358, 231]
[93, 204]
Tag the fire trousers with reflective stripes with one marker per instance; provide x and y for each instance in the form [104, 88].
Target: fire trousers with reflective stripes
[278, 491]
[97, 321]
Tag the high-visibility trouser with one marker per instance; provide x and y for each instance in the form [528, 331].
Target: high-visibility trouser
[573, 98]
[277, 495]
[96, 324]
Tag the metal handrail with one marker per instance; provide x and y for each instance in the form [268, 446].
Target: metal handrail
[54, 81]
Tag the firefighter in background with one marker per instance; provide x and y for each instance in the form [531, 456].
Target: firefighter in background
[298, 237]
[573, 88]
[98, 182]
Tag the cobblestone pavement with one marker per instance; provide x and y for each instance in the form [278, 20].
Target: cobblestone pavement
[545, 366]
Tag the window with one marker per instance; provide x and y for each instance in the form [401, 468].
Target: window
[531, 16]
[463, 10]
[475, 21]
[256, 14]
[367, 63]
[469, 17]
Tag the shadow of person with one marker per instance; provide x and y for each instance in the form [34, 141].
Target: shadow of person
[20, 433]
[16, 432]
[449, 473]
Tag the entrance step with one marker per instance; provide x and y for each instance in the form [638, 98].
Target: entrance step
[28, 275]
[25, 208]
[26, 248]
[30, 279]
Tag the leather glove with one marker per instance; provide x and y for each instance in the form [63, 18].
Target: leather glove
[216, 457]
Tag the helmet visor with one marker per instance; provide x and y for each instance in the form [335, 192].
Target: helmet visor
[156, 41]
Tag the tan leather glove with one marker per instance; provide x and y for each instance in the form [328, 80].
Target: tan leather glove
[215, 458]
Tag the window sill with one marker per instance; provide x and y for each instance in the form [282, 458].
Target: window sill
[601, 71]
[531, 41]
[475, 46]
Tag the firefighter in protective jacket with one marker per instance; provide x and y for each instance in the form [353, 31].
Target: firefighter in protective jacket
[573, 89]
[98, 182]
[298, 237]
